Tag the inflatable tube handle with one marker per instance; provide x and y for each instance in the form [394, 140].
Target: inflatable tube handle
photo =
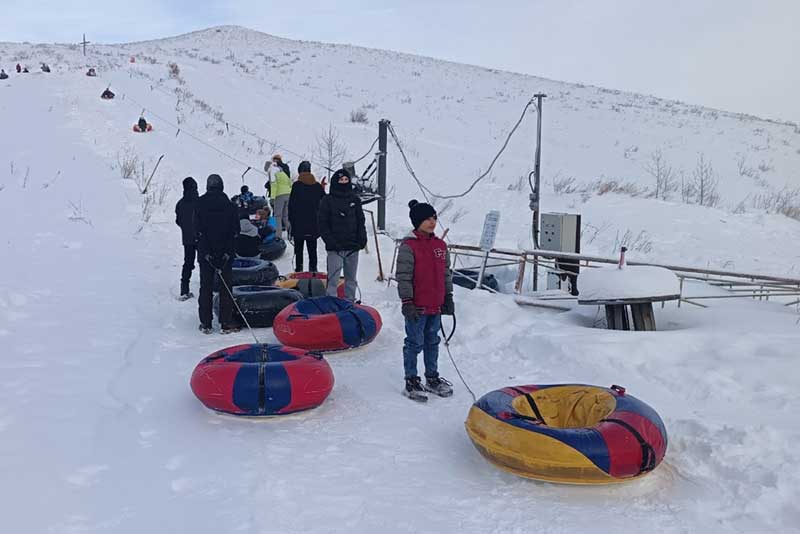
[294, 316]
[316, 354]
[619, 390]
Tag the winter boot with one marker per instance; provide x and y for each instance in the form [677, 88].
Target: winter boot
[186, 296]
[205, 329]
[414, 389]
[231, 329]
[438, 386]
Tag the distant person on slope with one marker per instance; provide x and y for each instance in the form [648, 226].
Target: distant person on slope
[216, 226]
[142, 124]
[45, 67]
[303, 208]
[343, 229]
[184, 218]
[425, 287]
[19, 68]
[107, 94]
[3, 74]
[247, 241]
[280, 187]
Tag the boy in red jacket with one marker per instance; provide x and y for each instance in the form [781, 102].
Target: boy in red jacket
[425, 286]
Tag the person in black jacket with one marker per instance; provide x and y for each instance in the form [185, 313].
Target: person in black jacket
[248, 241]
[184, 217]
[303, 207]
[216, 225]
[343, 229]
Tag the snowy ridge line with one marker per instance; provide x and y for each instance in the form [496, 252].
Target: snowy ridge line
[598, 259]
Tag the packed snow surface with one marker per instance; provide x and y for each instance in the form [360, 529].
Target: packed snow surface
[99, 430]
[629, 282]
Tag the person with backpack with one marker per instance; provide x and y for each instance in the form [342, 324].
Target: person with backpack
[184, 218]
[425, 287]
[303, 207]
[216, 226]
[343, 229]
[280, 187]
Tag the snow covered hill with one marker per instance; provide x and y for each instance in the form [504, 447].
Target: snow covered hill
[99, 431]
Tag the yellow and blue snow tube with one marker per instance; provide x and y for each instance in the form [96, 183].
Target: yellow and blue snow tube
[570, 433]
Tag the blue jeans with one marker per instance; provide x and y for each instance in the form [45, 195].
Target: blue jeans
[422, 335]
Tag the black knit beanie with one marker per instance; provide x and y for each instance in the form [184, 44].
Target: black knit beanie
[419, 212]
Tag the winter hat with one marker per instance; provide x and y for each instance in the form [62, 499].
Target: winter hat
[247, 228]
[214, 183]
[305, 166]
[336, 186]
[420, 211]
[277, 157]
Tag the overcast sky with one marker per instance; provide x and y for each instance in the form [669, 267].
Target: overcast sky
[739, 55]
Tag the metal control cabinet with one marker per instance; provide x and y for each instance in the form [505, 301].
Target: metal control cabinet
[562, 232]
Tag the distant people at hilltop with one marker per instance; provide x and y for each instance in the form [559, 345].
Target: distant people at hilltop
[19, 68]
[107, 94]
[3, 74]
[91, 72]
[45, 67]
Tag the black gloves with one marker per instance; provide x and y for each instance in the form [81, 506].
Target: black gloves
[449, 307]
[410, 311]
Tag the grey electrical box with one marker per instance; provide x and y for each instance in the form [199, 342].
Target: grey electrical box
[561, 232]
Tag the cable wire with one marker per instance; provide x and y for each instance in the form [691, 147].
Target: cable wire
[427, 190]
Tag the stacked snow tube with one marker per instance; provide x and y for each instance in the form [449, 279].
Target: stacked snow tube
[261, 379]
[259, 304]
[468, 278]
[327, 324]
[272, 250]
[308, 283]
[250, 272]
[570, 433]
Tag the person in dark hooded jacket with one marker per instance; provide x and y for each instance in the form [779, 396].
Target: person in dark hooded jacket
[248, 241]
[344, 231]
[216, 225]
[303, 207]
[184, 218]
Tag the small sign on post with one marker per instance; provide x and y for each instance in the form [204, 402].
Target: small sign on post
[488, 236]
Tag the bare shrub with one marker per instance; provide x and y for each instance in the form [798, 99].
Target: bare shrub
[786, 202]
[658, 168]
[78, 213]
[519, 184]
[603, 186]
[705, 183]
[744, 169]
[128, 162]
[330, 151]
[359, 116]
[640, 242]
[173, 70]
[564, 185]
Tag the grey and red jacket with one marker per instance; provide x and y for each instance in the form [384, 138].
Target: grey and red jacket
[423, 272]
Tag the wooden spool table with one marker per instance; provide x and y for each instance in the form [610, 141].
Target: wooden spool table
[641, 310]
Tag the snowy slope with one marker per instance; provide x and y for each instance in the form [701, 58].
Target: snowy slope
[99, 431]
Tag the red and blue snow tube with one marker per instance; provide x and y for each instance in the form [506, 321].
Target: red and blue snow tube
[326, 324]
[262, 379]
[570, 433]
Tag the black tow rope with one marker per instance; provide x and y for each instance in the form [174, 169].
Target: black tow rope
[450, 354]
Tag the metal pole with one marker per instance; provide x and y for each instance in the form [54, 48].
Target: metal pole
[535, 196]
[383, 127]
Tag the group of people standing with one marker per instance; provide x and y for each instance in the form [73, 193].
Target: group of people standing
[214, 231]
[211, 224]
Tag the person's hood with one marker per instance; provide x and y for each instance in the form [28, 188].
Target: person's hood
[214, 183]
[306, 178]
[189, 188]
[247, 228]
